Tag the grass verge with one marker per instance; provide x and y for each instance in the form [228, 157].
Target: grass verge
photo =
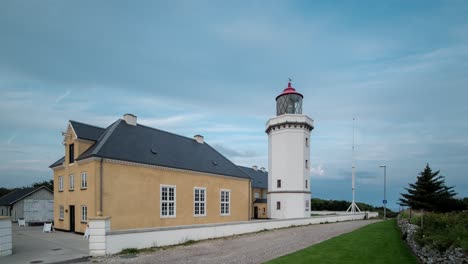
[376, 243]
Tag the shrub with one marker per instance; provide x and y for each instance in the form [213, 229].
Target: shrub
[441, 231]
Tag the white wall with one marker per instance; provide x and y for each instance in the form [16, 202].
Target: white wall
[115, 241]
[6, 243]
[287, 155]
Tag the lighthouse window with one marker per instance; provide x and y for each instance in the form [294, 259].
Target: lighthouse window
[307, 205]
[307, 164]
[307, 185]
[278, 205]
[307, 142]
[278, 183]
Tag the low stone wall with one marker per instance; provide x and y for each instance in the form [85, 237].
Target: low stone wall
[104, 242]
[6, 244]
[427, 254]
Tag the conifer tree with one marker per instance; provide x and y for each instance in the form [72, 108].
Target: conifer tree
[428, 192]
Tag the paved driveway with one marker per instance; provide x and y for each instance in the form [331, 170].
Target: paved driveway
[31, 245]
[251, 248]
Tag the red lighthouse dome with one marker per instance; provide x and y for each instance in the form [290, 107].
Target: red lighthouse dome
[289, 90]
[289, 101]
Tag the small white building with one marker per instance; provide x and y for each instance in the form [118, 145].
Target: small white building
[35, 205]
[289, 158]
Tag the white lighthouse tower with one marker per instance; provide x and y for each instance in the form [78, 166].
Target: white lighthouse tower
[289, 157]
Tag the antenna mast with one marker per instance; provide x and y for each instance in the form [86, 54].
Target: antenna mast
[353, 207]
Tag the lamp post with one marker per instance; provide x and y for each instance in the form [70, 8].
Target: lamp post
[384, 192]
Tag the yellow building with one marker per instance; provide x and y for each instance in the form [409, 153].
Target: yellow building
[144, 177]
[259, 191]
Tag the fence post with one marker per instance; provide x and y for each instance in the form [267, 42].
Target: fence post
[98, 228]
[6, 244]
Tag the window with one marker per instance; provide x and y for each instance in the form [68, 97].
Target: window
[200, 202]
[307, 142]
[256, 195]
[60, 183]
[278, 183]
[225, 202]
[264, 209]
[307, 205]
[84, 213]
[71, 153]
[264, 196]
[72, 182]
[84, 180]
[278, 205]
[307, 164]
[307, 184]
[61, 212]
[168, 201]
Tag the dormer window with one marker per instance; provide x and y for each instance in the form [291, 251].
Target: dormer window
[71, 153]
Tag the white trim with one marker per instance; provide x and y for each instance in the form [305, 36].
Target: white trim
[228, 202]
[161, 186]
[84, 173]
[82, 213]
[58, 167]
[60, 187]
[79, 162]
[71, 186]
[76, 135]
[200, 202]
[61, 212]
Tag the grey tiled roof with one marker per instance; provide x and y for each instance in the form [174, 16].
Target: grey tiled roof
[259, 177]
[146, 145]
[85, 131]
[58, 162]
[19, 194]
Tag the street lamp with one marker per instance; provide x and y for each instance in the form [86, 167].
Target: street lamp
[384, 192]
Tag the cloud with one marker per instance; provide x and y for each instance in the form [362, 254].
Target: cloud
[63, 96]
[317, 171]
[232, 153]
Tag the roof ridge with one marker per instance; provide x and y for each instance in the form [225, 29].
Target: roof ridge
[105, 136]
[85, 124]
[235, 165]
[167, 132]
[28, 191]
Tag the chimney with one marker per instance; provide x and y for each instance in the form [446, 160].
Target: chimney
[254, 167]
[262, 169]
[130, 119]
[199, 139]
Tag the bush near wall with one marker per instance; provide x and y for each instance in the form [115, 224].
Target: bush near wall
[442, 231]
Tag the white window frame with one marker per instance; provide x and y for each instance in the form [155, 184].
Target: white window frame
[61, 212]
[72, 182]
[60, 187]
[256, 195]
[174, 202]
[225, 203]
[84, 213]
[307, 205]
[84, 180]
[199, 203]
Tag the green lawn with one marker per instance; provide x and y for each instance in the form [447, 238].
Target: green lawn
[376, 243]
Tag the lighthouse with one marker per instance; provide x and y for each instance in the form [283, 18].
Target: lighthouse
[289, 158]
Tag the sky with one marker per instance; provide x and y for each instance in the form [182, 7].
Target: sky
[214, 68]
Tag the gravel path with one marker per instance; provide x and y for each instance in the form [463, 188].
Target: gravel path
[249, 248]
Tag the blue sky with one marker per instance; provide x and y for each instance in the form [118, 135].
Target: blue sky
[215, 68]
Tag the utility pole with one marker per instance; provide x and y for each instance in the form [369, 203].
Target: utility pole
[385, 192]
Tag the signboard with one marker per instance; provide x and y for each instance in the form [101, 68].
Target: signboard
[384, 201]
